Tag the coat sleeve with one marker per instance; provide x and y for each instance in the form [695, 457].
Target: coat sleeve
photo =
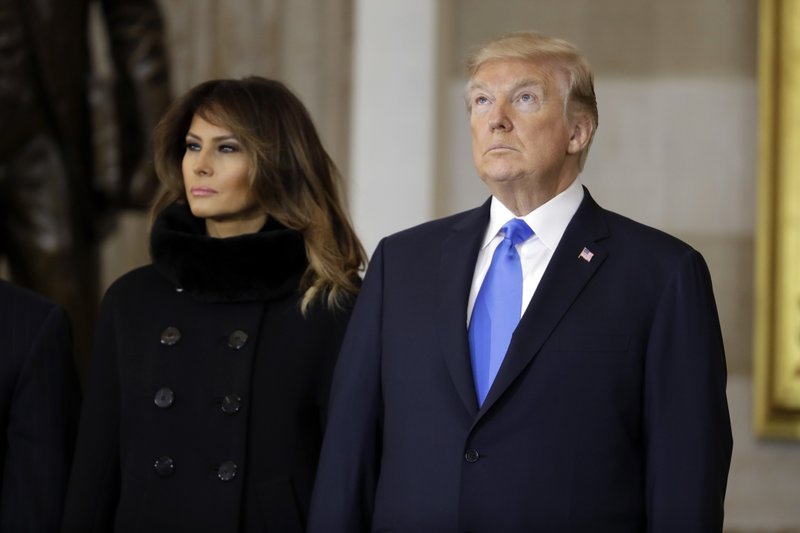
[687, 425]
[344, 491]
[93, 490]
[41, 430]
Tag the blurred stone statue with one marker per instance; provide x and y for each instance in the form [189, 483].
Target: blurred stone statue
[53, 206]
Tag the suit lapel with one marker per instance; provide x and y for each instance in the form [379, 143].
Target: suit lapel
[563, 280]
[459, 253]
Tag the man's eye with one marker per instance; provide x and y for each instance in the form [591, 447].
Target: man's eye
[527, 98]
[480, 100]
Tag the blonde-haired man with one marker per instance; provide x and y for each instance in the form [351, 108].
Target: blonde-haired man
[537, 363]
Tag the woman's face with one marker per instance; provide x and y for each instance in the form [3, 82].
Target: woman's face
[217, 183]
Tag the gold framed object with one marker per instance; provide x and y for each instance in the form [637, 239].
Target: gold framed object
[777, 306]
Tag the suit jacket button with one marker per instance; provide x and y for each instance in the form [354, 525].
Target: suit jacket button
[164, 397]
[237, 339]
[471, 456]
[231, 404]
[170, 336]
[227, 471]
[164, 466]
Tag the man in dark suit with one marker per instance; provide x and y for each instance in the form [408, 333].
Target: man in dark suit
[605, 411]
[39, 399]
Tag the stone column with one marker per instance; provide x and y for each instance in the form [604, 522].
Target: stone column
[396, 79]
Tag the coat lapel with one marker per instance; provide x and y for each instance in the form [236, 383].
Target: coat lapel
[563, 280]
[459, 253]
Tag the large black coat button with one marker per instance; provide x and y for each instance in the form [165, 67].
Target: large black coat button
[237, 339]
[170, 336]
[471, 456]
[231, 404]
[164, 397]
[164, 466]
[227, 471]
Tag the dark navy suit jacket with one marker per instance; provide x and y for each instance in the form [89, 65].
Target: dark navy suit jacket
[39, 403]
[608, 414]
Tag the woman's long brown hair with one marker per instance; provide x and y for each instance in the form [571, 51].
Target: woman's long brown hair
[292, 176]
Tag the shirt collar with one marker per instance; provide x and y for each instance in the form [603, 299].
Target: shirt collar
[548, 221]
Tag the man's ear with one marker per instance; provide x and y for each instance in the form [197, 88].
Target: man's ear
[581, 134]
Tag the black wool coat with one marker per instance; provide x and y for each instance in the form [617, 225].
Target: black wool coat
[206, 399]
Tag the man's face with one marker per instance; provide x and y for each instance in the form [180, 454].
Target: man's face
[520, 141]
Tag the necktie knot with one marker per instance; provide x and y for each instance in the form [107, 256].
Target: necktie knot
[517, 230]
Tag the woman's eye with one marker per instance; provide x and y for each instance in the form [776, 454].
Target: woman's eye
[192, 146]
[228, 148]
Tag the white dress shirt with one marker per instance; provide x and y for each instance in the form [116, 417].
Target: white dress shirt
[548, 222]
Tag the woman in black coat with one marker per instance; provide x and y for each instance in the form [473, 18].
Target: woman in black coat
[205, 402]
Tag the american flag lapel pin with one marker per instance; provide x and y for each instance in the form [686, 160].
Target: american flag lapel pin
[586, 254]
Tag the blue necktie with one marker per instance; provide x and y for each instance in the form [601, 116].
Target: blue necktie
[497, 308]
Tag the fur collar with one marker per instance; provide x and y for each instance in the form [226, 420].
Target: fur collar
[256, 266]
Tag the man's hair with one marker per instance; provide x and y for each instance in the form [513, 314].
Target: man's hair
[577, 93]
[291, 175]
